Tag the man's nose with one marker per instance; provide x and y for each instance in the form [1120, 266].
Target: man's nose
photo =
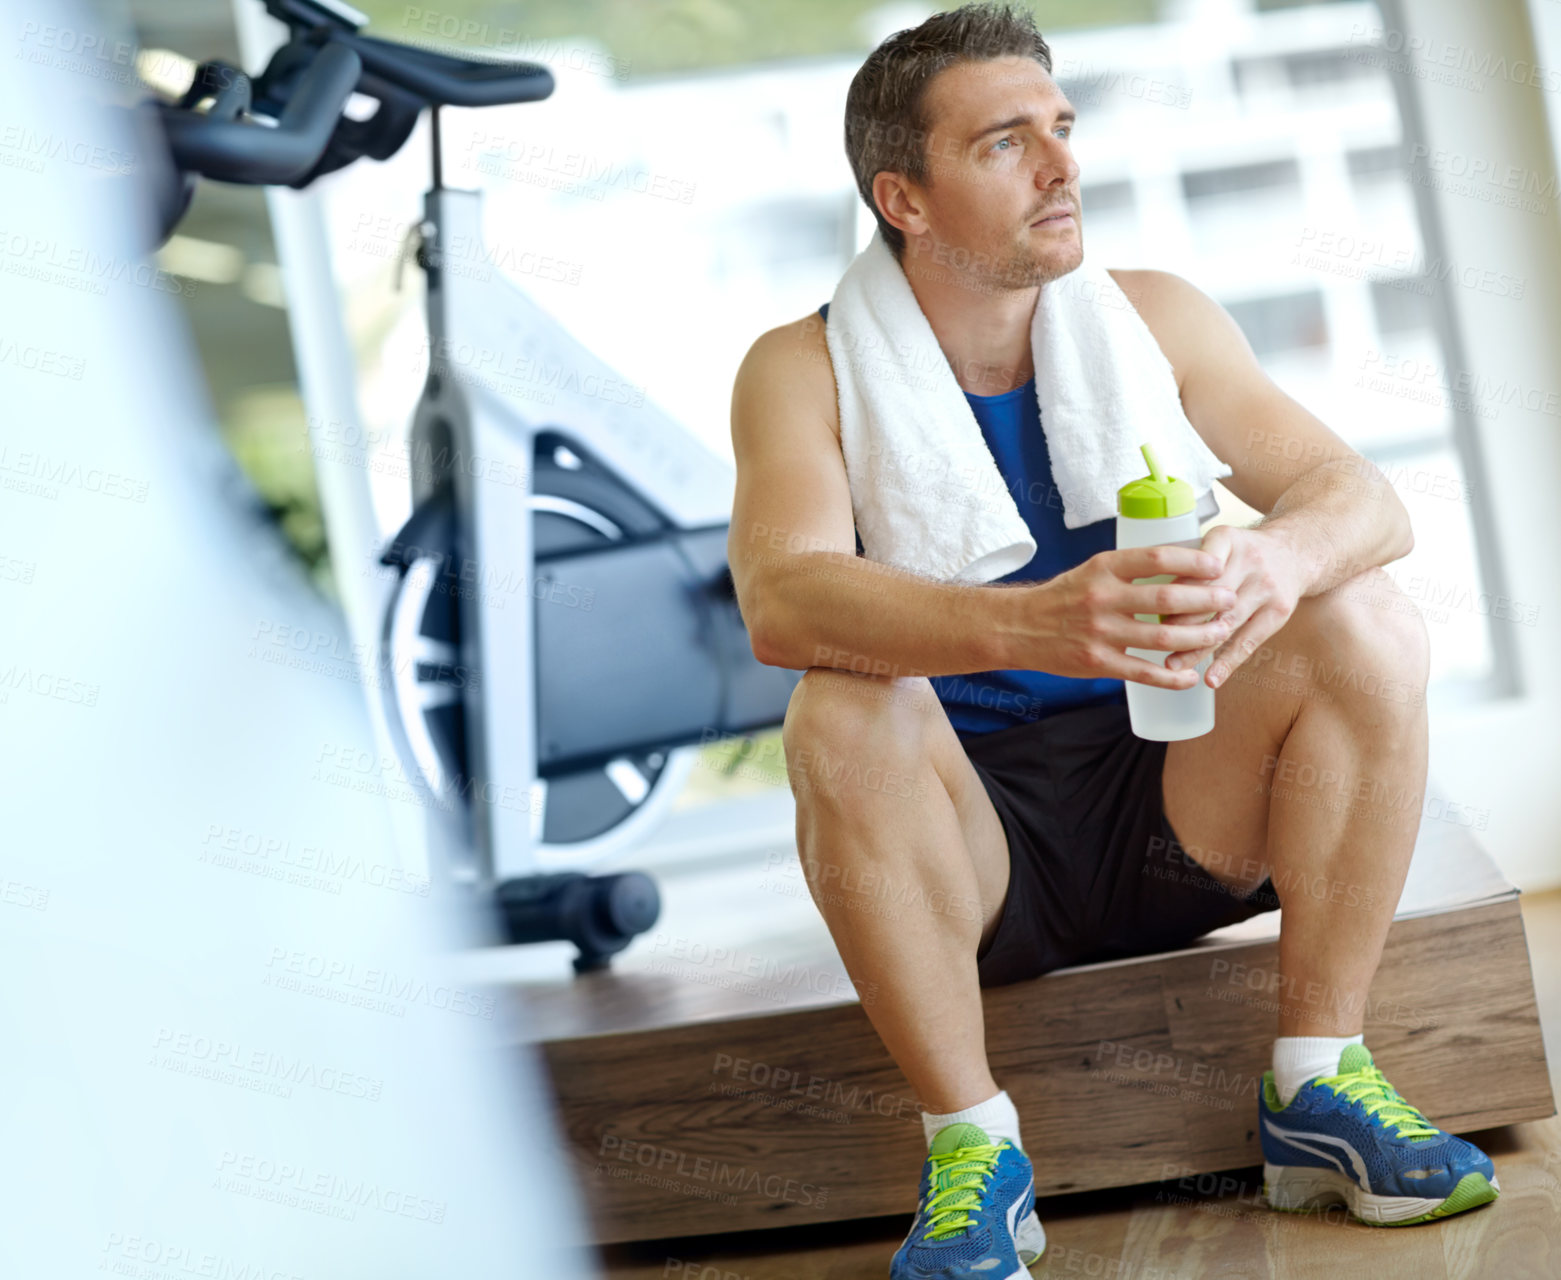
[1056, 168]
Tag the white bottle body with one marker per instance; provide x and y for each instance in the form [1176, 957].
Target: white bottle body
[1165, 715]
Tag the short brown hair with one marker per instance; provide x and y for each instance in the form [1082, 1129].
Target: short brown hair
[886, 123]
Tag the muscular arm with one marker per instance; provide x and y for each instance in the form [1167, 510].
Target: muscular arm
[810, 601]
[1332, 508]
[807, 598]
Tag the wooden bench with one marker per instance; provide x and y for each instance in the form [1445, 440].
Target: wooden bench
[723, 1075]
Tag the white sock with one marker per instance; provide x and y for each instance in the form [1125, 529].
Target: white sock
[996, 1116]
[1298, 1058]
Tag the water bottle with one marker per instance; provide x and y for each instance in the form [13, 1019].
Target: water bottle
[1159, 510]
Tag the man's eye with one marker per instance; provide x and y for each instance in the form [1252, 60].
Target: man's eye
[1001, 141]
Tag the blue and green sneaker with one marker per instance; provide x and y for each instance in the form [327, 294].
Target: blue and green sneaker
[1351, 1138]
[976, 1216]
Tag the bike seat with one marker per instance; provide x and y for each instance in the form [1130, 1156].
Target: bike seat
[440, 79]
[437, 79]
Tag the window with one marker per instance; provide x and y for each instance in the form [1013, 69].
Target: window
[1303, 222]
[1287, 323]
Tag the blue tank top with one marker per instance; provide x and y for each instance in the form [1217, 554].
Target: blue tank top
[985, 701]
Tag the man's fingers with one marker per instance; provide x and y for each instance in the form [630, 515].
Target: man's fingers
[1145, 672]
[1193, 619]
[1149, 562]
[1163, 637]
[1181, 598]
[1188, 658]
[1247, 640]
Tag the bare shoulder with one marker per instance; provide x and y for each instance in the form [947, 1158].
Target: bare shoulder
[790, 365]
[1174, 310]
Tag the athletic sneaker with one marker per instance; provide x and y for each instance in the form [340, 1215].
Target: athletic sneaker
[976, 1217]
[1351, 1138]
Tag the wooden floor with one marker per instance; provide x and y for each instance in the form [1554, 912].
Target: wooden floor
[1168, 1231]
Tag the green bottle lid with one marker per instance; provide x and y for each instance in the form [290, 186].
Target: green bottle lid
[1155, 496]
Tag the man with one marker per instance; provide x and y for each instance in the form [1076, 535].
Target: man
[1044, 830]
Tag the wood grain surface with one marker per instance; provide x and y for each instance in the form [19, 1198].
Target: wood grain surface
[1216, 1225]
[1122, 1073]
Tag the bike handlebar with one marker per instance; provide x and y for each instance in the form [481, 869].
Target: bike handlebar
[247, 151]
[305, 89]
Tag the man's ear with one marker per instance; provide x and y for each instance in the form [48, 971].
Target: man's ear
[900, 203]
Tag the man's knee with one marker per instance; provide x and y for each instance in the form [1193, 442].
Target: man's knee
[846, 717]
[1368, 636]
[843, 709]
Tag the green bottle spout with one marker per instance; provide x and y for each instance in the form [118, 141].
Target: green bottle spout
[1157, 495]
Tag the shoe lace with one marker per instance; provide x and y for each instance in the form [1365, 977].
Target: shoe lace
[959, 1180]
[1369, 1087]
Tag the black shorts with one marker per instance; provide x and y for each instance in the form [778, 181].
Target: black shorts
[1095, 870]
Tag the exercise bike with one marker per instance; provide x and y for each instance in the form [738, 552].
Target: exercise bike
[548, 653]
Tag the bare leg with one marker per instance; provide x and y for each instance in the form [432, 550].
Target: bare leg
[1316, 767]
[908, 863]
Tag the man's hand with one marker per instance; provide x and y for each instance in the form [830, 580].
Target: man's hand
[1081, 622]
[1266, 575]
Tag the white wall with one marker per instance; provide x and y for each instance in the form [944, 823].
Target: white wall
[1504, 756]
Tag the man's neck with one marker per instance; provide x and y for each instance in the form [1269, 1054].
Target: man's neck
[985, 335]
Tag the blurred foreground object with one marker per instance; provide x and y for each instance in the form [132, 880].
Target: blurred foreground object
[230, 1045]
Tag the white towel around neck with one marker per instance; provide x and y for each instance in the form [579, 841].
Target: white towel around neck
[926, 492]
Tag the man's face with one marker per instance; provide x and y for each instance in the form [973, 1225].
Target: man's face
[1002, 169]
